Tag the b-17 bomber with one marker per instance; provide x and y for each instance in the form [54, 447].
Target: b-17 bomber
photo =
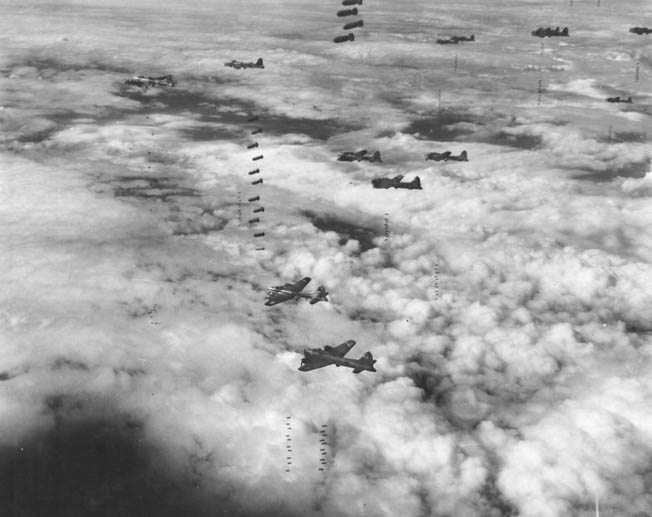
[455, 40]
[314, 358]
[285, 292]
[147, 82]
[640, 30]
[347, 12]
[396, 182]
[242, 64]
[549, 32]
[447, 155]
[357, 156]
[628, 100]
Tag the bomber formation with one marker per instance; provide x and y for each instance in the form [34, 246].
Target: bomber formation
[315, 358]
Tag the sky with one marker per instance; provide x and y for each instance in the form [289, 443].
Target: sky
[506, 303]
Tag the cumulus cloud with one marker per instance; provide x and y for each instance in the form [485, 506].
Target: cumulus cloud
[505, 303]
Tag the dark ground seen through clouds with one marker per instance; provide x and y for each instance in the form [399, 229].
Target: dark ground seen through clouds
[94, 461]
[346, 229]
[480, 407]
[440, 126]
[177, 100]
[183, 98]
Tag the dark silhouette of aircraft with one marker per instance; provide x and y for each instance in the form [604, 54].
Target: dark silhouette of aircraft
[242, 64]
[455, 39]
[351, 156]
[285, 292]
[353, 25]
[351, 2]
[548, 32]
[147, 82]
[314, 358]
[342, 39]
[640, 30]
[347, 12]
[445, 156]
[396, 182]
[628, 100]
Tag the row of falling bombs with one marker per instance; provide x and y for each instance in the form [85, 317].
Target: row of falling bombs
[323, 443]
[351, 25]
[259, 181]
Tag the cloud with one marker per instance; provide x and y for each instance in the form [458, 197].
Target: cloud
[506, 303]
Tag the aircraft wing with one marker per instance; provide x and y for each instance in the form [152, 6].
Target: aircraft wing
[314, 362]
[274, 297]
[299, 286]
[287, 292]
[340, 350]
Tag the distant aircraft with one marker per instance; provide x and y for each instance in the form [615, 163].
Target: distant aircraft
[285, 292]
[342, 39]
[353, 25]
[628, 100]
[314, 358]
[242, 64]
[347, 12]
[357, 156]
[640, 30]
[456, 39]
[395, 182]
[146, 82]
[549, 32]
[351, 2]
[445, 156]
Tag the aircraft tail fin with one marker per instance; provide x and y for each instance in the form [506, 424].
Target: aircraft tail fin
[564, 32]
[416, 182]
[376, 157]
[368, 361]
[472, 38]
[629, 100]
[320, 296]
[464, 157]
[259, 62]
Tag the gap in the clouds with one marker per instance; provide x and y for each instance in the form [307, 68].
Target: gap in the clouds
[230, 111]
[346, 229]
[96, 461]
[631, 170]
[63, 362]
[618, 137]
[464, 126]
[185, 210]
[47, 65]
[497, 504]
